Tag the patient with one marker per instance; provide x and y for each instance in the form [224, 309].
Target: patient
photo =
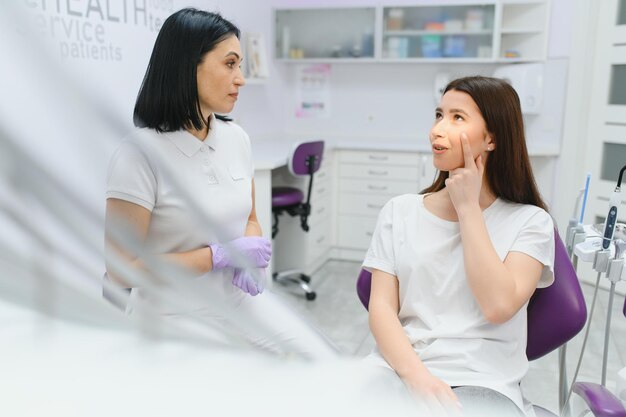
[453, 267]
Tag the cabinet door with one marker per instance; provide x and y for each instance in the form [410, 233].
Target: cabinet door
[524, 31]
[439, 32]
[607, 116]
[329, 33]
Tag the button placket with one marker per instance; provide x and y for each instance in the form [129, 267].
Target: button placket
[207, 167]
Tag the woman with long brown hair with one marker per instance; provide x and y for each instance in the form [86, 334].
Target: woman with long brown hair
[453, 267]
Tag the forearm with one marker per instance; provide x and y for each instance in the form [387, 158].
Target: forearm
[393, 342]
[253, 228]
[197, 261]
[487, 275]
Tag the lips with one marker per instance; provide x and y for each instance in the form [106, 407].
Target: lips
[234, 95]
[438, 149]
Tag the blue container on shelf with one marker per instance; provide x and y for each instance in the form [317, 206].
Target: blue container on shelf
[431, 46]
[454, 46]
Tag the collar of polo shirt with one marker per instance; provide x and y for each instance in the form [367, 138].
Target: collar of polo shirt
[189, 144]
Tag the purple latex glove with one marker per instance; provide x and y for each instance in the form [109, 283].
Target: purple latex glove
[255, 250]
[247, 281]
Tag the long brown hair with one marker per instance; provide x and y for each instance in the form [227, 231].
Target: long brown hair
[508, 168]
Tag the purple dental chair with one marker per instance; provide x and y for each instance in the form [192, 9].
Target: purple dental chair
[305, 160]
[555, 315]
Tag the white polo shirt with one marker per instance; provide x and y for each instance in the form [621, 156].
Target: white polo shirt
[438, 311]
[159, 171]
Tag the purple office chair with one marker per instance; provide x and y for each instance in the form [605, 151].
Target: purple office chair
[305, 160]
[555, 315]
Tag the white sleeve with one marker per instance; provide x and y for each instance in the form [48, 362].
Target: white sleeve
[131, 177]
[249, 157]
[380, 254]
[536, 239]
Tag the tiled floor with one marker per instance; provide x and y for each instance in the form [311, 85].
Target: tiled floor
[338, 313]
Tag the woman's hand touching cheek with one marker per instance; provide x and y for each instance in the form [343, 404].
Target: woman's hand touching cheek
[463, 184]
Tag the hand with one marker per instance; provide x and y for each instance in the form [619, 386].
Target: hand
[252, 282]
[243, 252]
[435, 394]
[463, 184]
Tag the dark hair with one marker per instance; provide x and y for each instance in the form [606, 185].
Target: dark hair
[507, 169]
[168, 96]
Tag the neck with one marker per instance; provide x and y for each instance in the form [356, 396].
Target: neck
[202, 133]
[485, 199]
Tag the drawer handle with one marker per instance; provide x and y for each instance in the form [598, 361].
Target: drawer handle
[320, 239]
[374, 206]
[321, 190]
[370, 234]
[372, 172]
[378, 157]
[320, 210]
[377, 187]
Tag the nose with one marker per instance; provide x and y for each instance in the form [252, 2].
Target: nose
[239, 80]
[438, 130]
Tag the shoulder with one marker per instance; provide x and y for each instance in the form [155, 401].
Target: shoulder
[526, 214]
[526, 210]
[232, 133]
[137, 146]
[403, 204]
[140, 138]
[230, 128]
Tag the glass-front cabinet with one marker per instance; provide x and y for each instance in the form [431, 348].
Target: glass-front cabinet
[438, 32]
[496, 31]
[325, 33]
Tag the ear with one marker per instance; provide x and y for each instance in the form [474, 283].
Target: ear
[490, 143]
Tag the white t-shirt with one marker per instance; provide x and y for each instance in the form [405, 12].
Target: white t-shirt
[163, 171]
[437, 308]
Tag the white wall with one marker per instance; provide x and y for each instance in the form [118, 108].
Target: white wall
[70, 112]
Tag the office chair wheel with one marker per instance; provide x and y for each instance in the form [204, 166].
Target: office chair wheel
[311, 296]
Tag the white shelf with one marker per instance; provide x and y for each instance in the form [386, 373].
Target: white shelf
[438, 32]
[516, 31]
[328, 60]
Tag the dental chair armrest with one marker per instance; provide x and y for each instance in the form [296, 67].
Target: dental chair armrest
[600, 400]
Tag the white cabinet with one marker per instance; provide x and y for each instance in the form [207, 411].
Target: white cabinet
[492, 31]
[607, 117]
[293, 247]
[339, 33]
[366, 180]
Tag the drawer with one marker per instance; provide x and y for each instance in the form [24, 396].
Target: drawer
[321, 189]
[319, 210]
[382, 172]
[378, 187]
[379, 158]
[321, 175]
[365, 205]
[355, 231]
[318, 241]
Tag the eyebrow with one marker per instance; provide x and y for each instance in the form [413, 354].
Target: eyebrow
[232, 53]
[452, 111]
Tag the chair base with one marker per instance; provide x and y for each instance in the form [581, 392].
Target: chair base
[296, 277]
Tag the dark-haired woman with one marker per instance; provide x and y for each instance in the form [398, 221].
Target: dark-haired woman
[453, 267]
[183, 149]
